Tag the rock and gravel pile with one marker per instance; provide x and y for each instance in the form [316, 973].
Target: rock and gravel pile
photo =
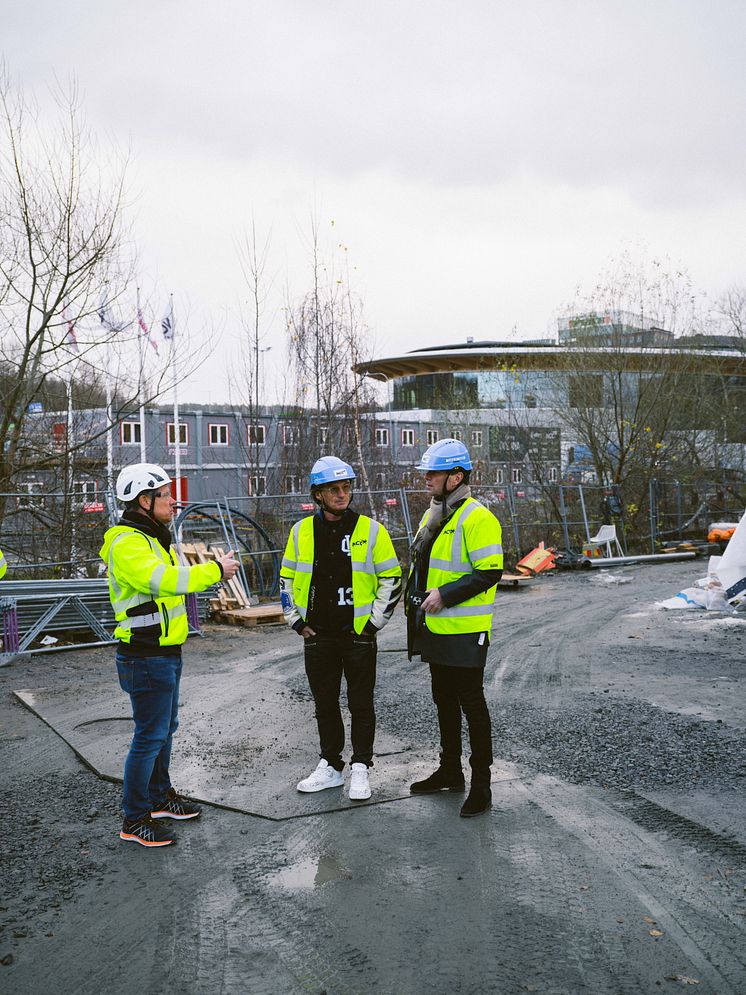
[620, 743]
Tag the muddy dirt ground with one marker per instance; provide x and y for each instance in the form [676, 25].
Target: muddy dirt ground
[613, 860]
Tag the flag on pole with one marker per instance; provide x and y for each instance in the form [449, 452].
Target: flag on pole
[144, 330]
[167, 323]
[71, 340]
[101, 312]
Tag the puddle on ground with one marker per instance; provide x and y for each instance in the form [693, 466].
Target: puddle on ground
[310, 873]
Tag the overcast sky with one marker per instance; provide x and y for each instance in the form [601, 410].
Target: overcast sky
[479, 160]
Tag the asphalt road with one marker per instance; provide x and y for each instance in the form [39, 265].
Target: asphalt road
[613, 860]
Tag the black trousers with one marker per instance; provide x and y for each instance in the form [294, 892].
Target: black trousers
[327, 659]
[457, 689]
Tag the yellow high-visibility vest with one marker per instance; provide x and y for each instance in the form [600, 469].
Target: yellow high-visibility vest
[471, 539]
[142, 571]
[372, 554]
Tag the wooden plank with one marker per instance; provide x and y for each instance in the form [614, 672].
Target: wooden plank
[515, 580]
[250, 617]
[234, 584]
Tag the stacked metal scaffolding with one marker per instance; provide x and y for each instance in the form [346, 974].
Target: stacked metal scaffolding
[33, 609]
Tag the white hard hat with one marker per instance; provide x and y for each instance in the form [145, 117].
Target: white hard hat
[140, 477]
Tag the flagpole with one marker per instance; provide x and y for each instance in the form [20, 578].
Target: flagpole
[177, 427]
[109, 435]
[141, 383]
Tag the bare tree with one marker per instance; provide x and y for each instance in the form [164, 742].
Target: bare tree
[328, 335]
[629, 386]
[62, 241]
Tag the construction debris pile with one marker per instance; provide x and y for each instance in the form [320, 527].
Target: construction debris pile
[724, 587]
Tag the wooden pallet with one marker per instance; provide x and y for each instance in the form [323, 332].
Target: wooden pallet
[230, 594]
[514, 580]
[250, 617]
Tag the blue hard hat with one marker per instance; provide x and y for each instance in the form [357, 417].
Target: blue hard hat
[329, 469]
[446, 454]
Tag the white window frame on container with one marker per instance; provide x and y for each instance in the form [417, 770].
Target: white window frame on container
[382, 436]
[132, 429]
[292, 483]
[35, 497]
[257, 485]
[516, 475]
[171, 433]
[552, 475]
[290, 435]
[350, 435]
[256, 434]
[476, 437]
[407, 436]
[216, 438]
[432, 436]
[86, 490]
[499, 475]
[456, 434]
[323, 434]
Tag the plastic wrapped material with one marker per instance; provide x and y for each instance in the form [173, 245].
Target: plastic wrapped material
[732, 567]
[724, 587]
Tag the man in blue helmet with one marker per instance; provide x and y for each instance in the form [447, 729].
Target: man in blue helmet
[339, 584]
[456, 562]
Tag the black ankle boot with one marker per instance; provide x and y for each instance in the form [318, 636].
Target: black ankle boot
[477, 801]
[442, 780]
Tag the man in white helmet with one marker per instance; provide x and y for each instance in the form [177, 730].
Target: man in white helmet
[147, 585]
[340, 582]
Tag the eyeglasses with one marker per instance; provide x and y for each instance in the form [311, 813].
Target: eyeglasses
[166, 494]
[343, 485]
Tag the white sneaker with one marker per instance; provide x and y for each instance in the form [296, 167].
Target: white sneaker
[359, 785]
[323, 777]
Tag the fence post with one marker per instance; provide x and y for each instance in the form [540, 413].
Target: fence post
[563, 514]
[581, 495]
[514, 521]
[406, 515]
[653, 509]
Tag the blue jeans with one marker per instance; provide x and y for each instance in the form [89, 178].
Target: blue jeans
[152, 682]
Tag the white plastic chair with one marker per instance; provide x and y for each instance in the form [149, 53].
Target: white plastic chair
[606, 537]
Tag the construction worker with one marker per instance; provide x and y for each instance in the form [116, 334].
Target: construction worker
[147, 587]
[340, 582]
[3, 565]
[456, 562]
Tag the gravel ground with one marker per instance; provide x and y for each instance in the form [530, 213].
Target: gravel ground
[595, 697]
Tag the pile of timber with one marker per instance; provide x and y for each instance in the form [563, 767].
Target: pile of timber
[232, 604]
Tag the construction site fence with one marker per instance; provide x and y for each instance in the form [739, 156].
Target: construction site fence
[57, 540]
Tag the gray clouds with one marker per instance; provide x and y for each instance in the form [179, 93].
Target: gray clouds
[644, 96]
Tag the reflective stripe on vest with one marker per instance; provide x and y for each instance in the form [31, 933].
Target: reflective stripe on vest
[451, 559]
[155, 618]
[171, 608]
[297, 565]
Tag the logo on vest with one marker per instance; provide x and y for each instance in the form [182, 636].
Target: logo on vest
[360, 542]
